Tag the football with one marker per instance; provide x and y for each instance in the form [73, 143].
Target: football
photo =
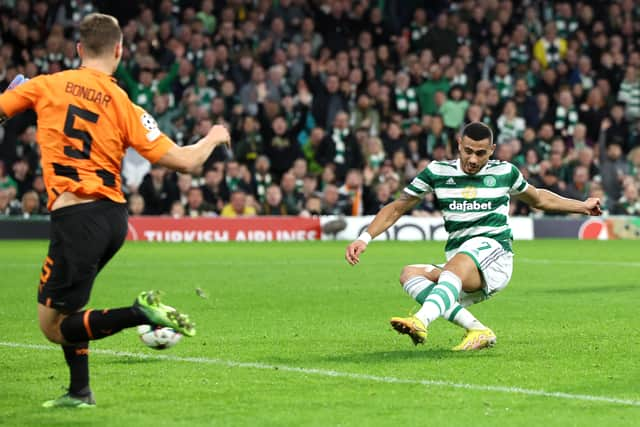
[158, 338]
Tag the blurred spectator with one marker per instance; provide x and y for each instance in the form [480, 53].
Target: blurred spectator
[550, 49]
[40, 189]
[634, 163]
[177, 210]
[334, 203]
[343, 147]
[281, 146]
[185, 182]
[206, 16]
[554, 174]
[262, 177]
[158, 191]
[441, 39]
[312, 207]
[437, 138]
[378, 199]
[143, 88]
[5, 180]
[406, 101]
[579, 186]
[250, 144]
[509, 124]
[317, 150]
[365, 115]
[134, 169]
[233, 176]
[291, 196]
[393, 139]
[503, 81]
[617, 128]
[238, 206]
[196, 205]
[454, 109]
[215, 191]
[427, 91]
[374, 153]
[566, 114]
[30, 205]
[299, 171]
[504, 152]
[592, 112]
[542, 112]
[630, 94]
[354, 192]
[309, 186]
[5, 207]
[327, 99]
[22, 177]
[579, 139]
[136, 205]
[629, 203]
[273, 204]
[613, 166]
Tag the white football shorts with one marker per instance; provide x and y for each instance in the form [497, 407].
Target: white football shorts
[494, 263]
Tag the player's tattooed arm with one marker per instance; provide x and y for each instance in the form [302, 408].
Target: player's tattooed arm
[408, 200]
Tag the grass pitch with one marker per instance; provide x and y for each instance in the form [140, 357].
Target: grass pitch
[290, 335]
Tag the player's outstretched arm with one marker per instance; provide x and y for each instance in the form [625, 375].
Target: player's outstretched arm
[190, 158]
[549, 201]
[384, 219]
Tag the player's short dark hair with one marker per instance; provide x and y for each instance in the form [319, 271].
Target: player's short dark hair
[99, 33]
[477, 131]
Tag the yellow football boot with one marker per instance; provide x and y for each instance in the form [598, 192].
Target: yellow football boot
[411, 326]
[476, 339]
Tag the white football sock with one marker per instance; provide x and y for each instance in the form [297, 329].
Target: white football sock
[462, 317]
[418, 287]
[443, 296]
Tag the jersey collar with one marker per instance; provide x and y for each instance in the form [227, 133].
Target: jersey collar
[98, 73]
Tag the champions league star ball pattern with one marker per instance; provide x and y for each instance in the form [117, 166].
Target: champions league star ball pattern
[158, 338]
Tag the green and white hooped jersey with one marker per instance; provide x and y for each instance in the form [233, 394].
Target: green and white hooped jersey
[472, 205]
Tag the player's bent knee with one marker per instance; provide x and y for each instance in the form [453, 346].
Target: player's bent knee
[50, 321]
[52, 333]
[405, 274]
[413, 270]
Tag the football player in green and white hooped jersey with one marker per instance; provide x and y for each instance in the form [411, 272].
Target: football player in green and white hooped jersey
[473, 194]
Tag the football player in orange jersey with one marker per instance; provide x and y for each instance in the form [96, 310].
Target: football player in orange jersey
[85, 124]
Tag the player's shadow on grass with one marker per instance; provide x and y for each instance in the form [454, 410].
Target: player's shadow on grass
[403, 355]
[135, 360]
[386, 356]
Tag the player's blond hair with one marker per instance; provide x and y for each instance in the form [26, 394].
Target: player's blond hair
[99, 33]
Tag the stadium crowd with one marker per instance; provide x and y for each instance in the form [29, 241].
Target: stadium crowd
[334, 105]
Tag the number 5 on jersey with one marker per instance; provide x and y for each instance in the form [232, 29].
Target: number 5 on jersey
[82, 135]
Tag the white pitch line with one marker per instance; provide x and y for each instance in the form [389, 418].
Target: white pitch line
[338, 374]
[337, 263]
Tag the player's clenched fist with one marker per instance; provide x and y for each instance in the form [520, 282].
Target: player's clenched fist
[592, 206]
[354, 250]
[220, 135]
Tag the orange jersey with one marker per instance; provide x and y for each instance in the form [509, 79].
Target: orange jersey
[85, 124]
